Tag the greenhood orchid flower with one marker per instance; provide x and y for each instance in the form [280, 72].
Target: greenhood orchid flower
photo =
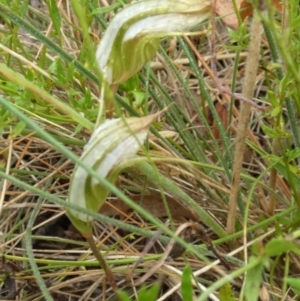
[113, 143]
[132, 38]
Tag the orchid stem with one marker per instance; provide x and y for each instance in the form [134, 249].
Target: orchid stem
[103, 264]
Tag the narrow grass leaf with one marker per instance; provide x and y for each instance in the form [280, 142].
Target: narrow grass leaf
[17, 129]
[149, 294]
[295, 284]
[124, 296]
[106, 9]
[55, 18]
[186, 284]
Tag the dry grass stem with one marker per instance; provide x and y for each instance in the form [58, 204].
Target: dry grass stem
[240, 143]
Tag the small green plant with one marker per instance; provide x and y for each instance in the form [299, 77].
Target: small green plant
[144, 293]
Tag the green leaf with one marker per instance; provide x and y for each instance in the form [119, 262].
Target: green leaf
[10, 87]
[253, 280]
[18, 128]
[226, 293]
[139, 97]
[124, 296]
[293, 154]
[238, 37]
[288, 171]
[283, 86]
[186, 284]
[273, 99]
[276, 111]
[60, 71]
[70, 72]
[55, 16]
[294, 283]
[149, 294]
[270, 132]
[131, 84]
[106, 9]
[278, 246]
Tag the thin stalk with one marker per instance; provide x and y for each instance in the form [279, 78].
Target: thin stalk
[38, 278]
[46, 263]
[287, 266]
[273, 178]
[248, 91]
[103, 264]
[233, 83]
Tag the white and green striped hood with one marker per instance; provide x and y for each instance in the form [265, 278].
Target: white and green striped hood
[132, 38]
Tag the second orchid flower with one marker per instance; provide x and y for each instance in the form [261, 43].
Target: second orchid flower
[132, 37]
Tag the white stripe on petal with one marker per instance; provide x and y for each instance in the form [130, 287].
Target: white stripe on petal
[162, 24]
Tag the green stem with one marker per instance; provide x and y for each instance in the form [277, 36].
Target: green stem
[104, 266]
[41, 284]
